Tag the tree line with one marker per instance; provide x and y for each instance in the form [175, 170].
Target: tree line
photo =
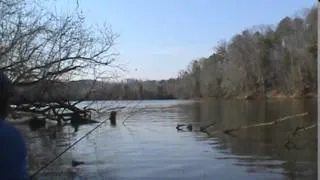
[263, 61]
[260, 61]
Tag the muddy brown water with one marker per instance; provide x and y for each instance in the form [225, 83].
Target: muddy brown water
[149, 146]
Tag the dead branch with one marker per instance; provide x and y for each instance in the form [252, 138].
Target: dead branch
[299, 130]
[204, 129]
[228, 131]
[290, 144]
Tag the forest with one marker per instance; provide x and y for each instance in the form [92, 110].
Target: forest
[261, 62]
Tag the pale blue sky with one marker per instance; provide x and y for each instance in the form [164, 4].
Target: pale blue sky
[160, 37]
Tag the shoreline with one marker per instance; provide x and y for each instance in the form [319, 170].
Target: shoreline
[277, 96]
[243, 96]
[255, 96]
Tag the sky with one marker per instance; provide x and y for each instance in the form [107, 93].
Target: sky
[158, 38]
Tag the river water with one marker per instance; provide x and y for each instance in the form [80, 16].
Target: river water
[148, 146]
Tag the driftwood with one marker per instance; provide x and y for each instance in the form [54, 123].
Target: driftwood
[75, 118]
[58, 111]
[204, 129]
[228, 131]
[290, 144]
[36, 123]
[299, 130]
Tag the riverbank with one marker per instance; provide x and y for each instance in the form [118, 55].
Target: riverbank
[242, 96]
[276, 95]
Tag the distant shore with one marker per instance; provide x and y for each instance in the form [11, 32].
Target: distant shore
[243, 96]
[276, 95]
[272, 95]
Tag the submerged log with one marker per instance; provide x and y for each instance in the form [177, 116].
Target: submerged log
[77, 120]
[113, 118]
[76, 163]
[80, 119]
[189, 127]
[228, 131]
[204, 129]
[36, 123]
[290, 144]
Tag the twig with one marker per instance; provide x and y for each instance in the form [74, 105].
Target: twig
[302, 129]
[204, 129]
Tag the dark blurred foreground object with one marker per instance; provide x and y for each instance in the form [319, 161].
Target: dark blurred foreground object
[13, 151]
[113, 118]
[6, 94]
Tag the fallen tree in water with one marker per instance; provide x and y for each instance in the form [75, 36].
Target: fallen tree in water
[62, 111]
[228, 131]
[289, 144]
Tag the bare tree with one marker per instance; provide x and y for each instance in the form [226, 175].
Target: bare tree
[41, 51]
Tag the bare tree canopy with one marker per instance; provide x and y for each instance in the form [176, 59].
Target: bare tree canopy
[260, 62]
[39, 50]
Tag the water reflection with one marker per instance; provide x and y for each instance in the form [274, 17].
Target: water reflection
[149, 147]
[262, 149]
